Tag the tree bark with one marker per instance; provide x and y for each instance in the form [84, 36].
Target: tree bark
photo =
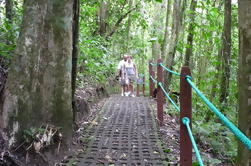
[103, 15]
[226, 52]
[75, 50]
[38, 89]
[117, 24]
[129, 27]
[155, 51]
[189, 48]
[177, 21]
[244, 79]
[165, 41]
[9, 10]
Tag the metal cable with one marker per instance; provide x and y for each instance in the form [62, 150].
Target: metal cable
[242, 137]
[168, 97]
[186, 122]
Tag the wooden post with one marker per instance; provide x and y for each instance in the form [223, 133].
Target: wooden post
[143, 86]
[151, 84]
[185, 111]
[137, 94]
[160, 97]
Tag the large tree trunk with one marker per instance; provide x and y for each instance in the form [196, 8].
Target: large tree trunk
[177, 21]
[244, 155]
[157, 28]
[38, 89]
[189, 48]
[226, 52]
[75, 50]
[155, 51]
[127, 42]
[103, 14]
[165, 41]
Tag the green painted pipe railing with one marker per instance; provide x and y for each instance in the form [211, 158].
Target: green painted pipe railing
[242, 137]
[168, 97]
[154, 64]
[186, 122]
[170, 71]
[155, 81]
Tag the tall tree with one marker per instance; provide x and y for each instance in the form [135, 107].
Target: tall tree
[9, 10]
[155, 50]
[226, 52]
[165, 41]
[219, 57]
[38, 88]
[129, 27]
[157, 28]
[191, 26]
[102, 17]
[176, 26]
[244, 79]
[75, 50]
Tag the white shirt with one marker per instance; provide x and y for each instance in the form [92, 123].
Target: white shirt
[121, 65]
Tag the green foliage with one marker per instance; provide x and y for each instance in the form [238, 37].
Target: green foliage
[100, 55]
[95, 61]
[9, 31]
[30, 134]
[216, 138]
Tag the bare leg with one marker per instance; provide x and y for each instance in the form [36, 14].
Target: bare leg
[126, 88]
[131, 88]
[122, 90]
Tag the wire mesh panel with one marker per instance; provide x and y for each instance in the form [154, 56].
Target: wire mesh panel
[125, 135]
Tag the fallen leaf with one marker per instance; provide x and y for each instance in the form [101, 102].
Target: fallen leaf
[108, 158]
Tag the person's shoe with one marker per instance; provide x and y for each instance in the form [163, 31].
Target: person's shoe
[127, 94]
[122, 94]
[133, 95]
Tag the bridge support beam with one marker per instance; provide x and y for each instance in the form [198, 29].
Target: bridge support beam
[160, 97]
[137, 93]
[185, 111]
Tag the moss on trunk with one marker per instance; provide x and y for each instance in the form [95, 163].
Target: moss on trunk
[39, 85]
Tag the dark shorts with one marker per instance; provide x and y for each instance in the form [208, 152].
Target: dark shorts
[122, 82]
[132, 78]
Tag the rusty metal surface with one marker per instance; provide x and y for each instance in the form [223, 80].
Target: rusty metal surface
[160, 95]
[185, 111]
[124, 135]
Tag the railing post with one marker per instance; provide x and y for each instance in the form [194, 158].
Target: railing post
[151, 84]
[185, 111]
[160, 97]
[137, 94]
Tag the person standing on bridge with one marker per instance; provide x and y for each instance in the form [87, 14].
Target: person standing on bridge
[122, 75]
[131, 75]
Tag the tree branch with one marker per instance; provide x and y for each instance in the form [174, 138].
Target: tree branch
[119, 21]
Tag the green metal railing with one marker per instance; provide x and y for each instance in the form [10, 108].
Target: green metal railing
[186, 121]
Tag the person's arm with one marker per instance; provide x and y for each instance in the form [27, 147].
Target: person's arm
[119, 69]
